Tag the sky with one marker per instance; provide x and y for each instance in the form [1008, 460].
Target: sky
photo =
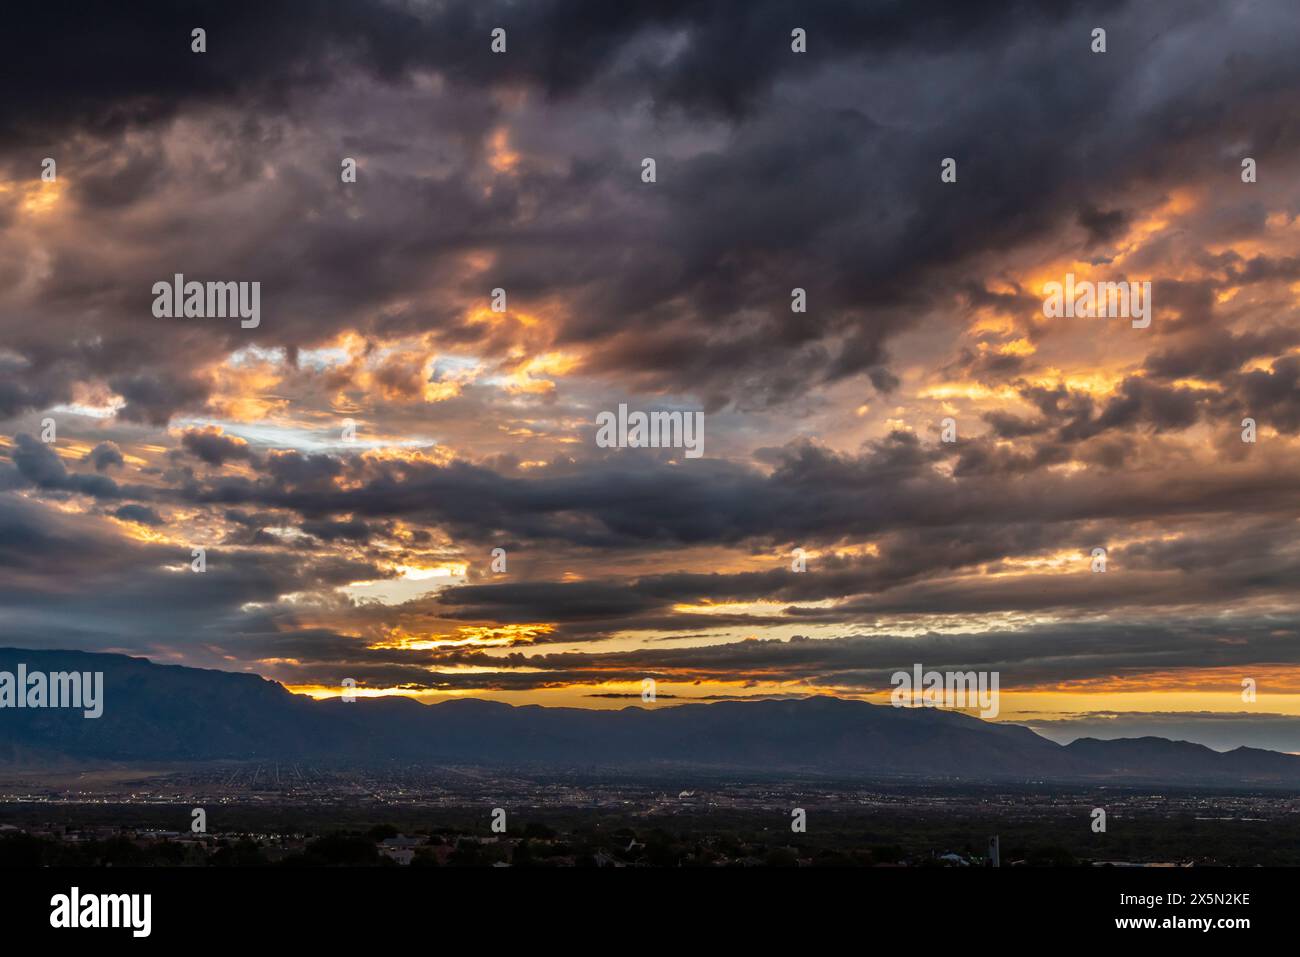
[349, 465]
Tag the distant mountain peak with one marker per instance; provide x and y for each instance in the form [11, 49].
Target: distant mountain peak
[159, 712]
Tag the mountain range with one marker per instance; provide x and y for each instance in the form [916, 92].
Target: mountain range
[169, 713]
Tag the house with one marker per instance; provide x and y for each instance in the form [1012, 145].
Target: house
[402, 855]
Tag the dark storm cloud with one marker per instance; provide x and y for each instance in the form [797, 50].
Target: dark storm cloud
[1219, 353]
[154, 397]
[1103, 225]
[1274, 396]
[348, 531]
[812, 495]
[1235, 562]
[18, 396]
[136, 66]
[105, 455]
[1223, 564]
[139, 513]
[39, 464]
[1154, 401]
[210, 446]
[820, 183]
[71, 582]
[1047, 654]
[923, 523]
[544, 601]
[1026, 660]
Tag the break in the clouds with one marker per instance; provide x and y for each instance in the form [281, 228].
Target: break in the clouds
[395, 477]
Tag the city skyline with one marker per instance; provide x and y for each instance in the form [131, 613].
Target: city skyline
[463, 268]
